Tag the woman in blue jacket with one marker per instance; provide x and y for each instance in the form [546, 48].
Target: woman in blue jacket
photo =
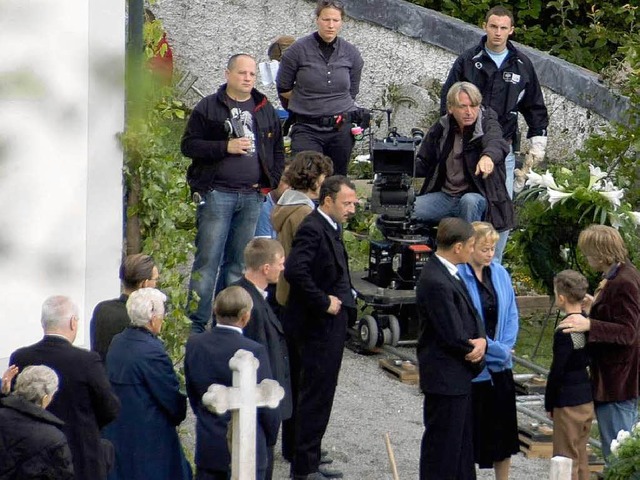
[495, 424]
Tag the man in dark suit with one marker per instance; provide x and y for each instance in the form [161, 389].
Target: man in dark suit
[317, 313]
[85, 400]
[451, 348]
[207, 362]
[264, 261]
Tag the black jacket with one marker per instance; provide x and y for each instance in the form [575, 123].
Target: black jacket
[266, 329]
[448, 320]
[32, 445]
[501, 88]
[85, 401]
[483, 138]
[205, 140]
[109, 318]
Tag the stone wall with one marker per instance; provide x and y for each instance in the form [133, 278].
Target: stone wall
[404, 68]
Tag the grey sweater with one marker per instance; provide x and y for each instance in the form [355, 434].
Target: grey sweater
[320, 88]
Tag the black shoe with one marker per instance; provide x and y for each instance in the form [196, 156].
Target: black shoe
[325, 459]
[329, 473]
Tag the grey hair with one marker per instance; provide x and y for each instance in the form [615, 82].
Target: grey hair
[56, 311]
[144, 304]
[36, 381]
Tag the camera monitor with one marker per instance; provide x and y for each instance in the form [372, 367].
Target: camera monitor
[393, 157]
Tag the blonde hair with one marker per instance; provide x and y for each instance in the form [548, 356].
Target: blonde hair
[484, 230]
[603, 243]
[469, 88]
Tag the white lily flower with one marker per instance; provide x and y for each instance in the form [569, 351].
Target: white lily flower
[362, 158]
[533, 179]
[635, 218]
[556, 195]
[622, 436]
[636, 427]
[614, 445]
[596, 174]
[549, 181]
[614, 196]
[608, 186]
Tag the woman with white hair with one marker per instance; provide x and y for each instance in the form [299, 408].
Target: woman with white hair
[142, 375]
[32, 445]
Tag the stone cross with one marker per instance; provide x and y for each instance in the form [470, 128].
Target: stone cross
[560, 468]
[242, 399]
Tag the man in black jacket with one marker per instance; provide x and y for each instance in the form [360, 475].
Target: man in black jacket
[320, 298]
[85, 401]
[451, 348]
[264, 259]
[235, 142]
[462, 160]
[509, 85]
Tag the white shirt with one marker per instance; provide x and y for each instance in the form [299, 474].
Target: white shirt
[329, 219]
[230, 327]
[453, 270]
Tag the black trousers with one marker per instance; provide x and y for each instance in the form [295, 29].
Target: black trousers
[288, 425]
[336, 144]
[446, 452]
[320, 354]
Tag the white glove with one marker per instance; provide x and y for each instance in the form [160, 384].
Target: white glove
[538, 148]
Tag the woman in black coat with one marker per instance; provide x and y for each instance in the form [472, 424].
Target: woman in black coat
[32, 445]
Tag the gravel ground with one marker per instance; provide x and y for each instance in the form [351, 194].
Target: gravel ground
[369, 404]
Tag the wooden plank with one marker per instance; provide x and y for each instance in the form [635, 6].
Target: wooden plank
[406, 372]
[535, 449]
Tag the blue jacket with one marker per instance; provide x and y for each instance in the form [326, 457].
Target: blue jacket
[498, 356]
[144, 434]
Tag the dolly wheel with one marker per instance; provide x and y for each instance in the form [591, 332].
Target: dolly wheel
[394, 326]
[368, 330]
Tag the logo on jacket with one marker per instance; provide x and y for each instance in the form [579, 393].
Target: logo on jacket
[479, 65]
[511, 77]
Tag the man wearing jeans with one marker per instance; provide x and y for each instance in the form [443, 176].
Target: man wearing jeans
[462, 160]
[509, 85]
[234, 139]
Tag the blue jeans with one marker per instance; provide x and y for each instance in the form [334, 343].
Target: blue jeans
[510, 166]
[613, 417]
[226, 223]
[433, 207]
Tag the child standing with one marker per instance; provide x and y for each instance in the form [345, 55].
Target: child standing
[568, 399]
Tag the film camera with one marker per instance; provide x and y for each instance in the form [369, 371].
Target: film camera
[396, 261]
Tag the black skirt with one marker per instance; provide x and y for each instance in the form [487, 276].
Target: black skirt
[495, 422]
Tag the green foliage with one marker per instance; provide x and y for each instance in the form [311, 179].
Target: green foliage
[624, 463]
[151, 144]
[589, 33]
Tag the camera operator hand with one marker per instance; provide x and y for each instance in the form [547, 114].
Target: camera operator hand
[239, 146]
[485, 166]
[334, 306]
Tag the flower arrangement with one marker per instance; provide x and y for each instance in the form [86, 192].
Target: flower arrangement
[556, 205]
[624, 462]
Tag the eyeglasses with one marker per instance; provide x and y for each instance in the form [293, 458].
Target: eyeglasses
[331, 4]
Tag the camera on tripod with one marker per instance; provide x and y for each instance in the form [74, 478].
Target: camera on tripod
[396, 261]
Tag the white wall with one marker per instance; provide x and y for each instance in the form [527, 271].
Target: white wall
[61, 105]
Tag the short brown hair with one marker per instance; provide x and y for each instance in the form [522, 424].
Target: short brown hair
[463, 87]
[332, 186]
[571, 284]
[603, 243]
[261, 251]
[231, 304]
[452, 230]
[322, 4]
[136, 268]
[500, 11]
[305, 169]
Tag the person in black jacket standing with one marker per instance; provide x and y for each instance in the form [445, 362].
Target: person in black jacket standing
[451, 348]
[509, 85]
[462, 160]
[32, 444]
[234, 139]
[568, 400]
[264, 258]
[317, 313]
[85, 401]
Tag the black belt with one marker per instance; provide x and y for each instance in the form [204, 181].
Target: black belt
[328, 121]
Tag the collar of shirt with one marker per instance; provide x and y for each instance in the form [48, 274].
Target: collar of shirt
[230, 327]
[453, 270]
[322, 43]
[328, 219]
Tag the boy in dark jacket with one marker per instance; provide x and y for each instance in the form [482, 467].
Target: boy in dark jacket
[568, 399]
